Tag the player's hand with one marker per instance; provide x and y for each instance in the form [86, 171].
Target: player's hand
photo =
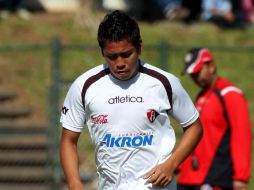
[239, 185]
[160, 175]
[76, 186]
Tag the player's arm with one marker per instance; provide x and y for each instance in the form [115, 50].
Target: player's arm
[162, 174]
[69, 158]
[241, 136]
[188, 142]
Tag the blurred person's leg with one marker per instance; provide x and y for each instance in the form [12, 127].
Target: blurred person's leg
[12, 5]
[22, 11]
[194, 8]
[6, 7]
[247, 7]
[147, 10]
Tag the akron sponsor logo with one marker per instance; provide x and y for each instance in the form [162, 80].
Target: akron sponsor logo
[127, 141]
[125, 99]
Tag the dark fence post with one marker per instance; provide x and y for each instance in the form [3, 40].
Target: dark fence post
[164, 48]
[54, 113]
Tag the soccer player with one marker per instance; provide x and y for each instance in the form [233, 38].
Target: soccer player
[126, 103]
[222, 159]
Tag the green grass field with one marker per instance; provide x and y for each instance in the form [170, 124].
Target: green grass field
[29, 70]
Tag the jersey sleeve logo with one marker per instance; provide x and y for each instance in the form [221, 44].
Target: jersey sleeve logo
[65, 110]
[151, 115]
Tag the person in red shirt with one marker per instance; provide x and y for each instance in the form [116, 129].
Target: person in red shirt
[222, 159]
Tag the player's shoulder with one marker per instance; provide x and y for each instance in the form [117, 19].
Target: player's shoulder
[81, 79]
[158, 70]
[226, 87]
[91, 72]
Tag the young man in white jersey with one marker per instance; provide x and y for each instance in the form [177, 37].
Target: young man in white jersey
[126, 103]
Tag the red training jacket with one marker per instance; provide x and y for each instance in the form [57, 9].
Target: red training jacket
[224, 152]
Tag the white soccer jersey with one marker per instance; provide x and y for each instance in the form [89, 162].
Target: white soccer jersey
[128, 121]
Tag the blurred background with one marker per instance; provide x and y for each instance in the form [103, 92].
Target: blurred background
[46, 44]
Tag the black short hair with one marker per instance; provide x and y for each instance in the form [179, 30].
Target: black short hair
[117, 26]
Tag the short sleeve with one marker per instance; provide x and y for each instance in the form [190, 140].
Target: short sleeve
[183, 109]
[73, 114]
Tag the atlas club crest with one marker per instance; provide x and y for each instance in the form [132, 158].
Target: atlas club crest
[151, 115]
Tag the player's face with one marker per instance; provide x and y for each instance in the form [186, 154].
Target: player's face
[122, 59]
[205, 77]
